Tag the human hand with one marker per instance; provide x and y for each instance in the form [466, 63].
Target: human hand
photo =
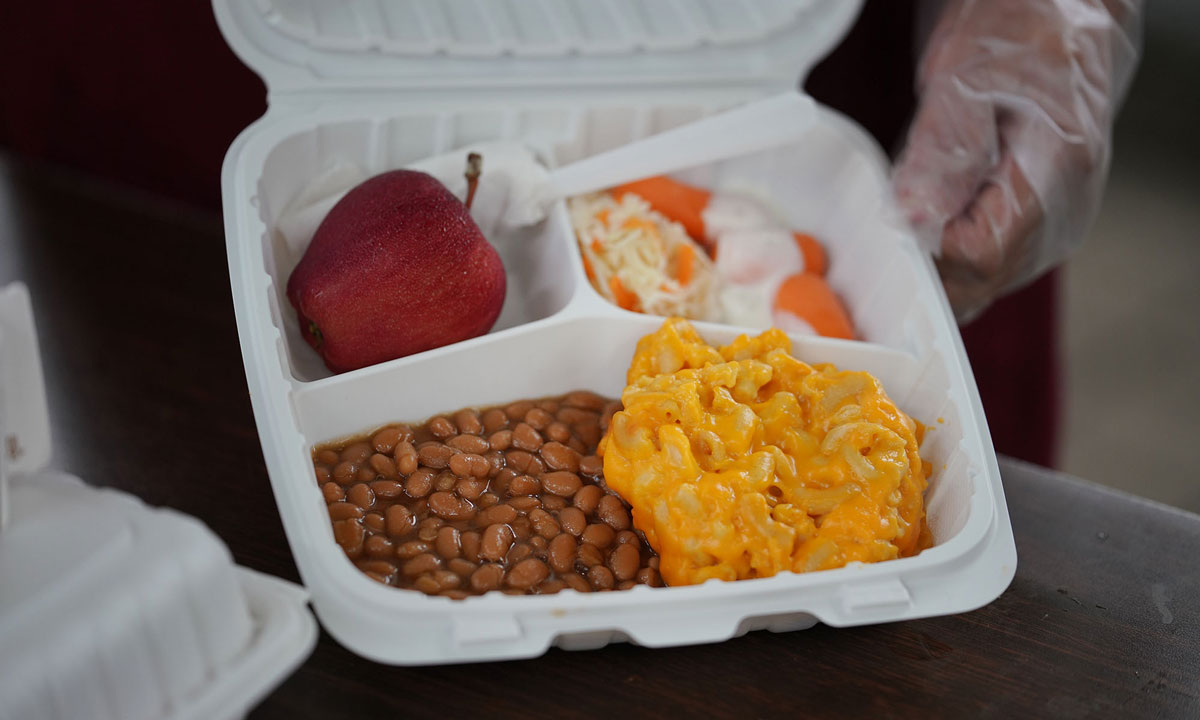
[1008, 153]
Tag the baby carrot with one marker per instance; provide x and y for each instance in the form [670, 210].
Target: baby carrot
[685, 260]
[810, 298]
[814, 254]
[680, 202]
[623, 297]
[644, 224]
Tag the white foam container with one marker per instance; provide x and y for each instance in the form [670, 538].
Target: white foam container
[350, 82]
[112, 609]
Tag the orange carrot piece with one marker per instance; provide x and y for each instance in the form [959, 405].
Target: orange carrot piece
[623, 297]
[587, 268]
[685, 261]
[678, 201]
[810, 298]
[597, 246]
[648, 226]
[602, 216]
[814, 254]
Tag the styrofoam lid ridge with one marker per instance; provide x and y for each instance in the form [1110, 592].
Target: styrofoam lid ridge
[133, 612]
[24, 417]
[307, 45]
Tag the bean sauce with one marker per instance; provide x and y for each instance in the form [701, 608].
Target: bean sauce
[510, 499]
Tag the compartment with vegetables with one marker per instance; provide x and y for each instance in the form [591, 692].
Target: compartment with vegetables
[661, 246]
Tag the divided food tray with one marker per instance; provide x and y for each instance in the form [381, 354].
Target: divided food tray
[557, 334]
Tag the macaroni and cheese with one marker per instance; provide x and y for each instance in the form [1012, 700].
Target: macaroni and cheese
[742, 461]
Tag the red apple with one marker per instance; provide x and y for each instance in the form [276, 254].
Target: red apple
[397, 267]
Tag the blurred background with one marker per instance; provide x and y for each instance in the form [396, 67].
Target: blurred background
[136, 103]
[1132, 293]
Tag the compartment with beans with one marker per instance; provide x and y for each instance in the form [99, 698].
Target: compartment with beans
[509, 498]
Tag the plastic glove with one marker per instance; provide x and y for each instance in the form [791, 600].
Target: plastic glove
[1008, 153]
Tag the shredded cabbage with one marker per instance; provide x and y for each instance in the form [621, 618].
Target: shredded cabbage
[639, 259]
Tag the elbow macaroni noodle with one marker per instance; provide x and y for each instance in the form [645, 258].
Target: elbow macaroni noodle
[742, 461]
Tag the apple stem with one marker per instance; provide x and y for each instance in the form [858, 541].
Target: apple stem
[474, 170]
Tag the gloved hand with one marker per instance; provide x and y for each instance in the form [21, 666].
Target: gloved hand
[1008, 153]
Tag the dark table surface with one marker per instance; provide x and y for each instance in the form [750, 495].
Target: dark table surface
[147, 394]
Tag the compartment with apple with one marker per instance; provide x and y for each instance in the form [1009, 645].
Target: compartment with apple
[366, 270]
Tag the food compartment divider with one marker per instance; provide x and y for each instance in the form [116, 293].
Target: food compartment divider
[538, 360]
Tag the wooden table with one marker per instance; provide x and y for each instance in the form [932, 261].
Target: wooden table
[147, 394]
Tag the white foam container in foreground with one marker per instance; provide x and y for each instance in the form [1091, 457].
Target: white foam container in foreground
[350, 83]
[112, 609]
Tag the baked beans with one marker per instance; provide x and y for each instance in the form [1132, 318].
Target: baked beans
[523, 485]
[468, 422]
[564, 484]
[356, 452]
[385, 440]
[361, 495]
[387, 489]
[375, 523]
[587, 498]
[419, 483]
[344, 511]
[508, 499]
[559, 457]
[591, 465]
[378, 546]
[572, 520]
[558, 432]
[384, 466]
[441, 428]
[406, 458]
[332, 492]
[553, 503]
[599, 535]
[469, 444]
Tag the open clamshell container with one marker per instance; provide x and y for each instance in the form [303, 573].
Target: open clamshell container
[385, 84]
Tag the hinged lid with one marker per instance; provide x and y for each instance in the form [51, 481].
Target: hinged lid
[301, 46]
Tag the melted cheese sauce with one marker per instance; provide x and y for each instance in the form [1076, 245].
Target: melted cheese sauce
[742, 461]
